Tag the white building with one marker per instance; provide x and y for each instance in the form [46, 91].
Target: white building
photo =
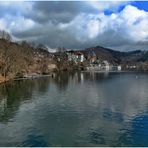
[80, 57]
[119, 67]
[106, 65]
[75, 56]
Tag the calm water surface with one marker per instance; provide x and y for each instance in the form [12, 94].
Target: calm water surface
[79, 109]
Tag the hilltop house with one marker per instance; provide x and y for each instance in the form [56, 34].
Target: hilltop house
[75, 56]
[79, 56]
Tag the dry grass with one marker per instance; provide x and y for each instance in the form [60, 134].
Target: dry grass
[2, 79]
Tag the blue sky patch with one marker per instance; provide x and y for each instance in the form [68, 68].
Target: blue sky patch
[109, 12]
[142, 5]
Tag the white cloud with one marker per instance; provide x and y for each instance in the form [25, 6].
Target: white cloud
[3, 24]
[112, 5]
[21, 24]
[131, 24]
[136, 22]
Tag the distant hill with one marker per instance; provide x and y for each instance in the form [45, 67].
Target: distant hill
[114, 56]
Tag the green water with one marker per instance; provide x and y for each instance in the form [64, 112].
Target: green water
[77, 109]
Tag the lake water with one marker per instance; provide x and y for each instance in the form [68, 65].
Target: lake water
[77, 109]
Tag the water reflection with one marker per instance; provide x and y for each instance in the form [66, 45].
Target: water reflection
[76, 109]
[13, 94]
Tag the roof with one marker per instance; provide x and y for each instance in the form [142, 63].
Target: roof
[79, 53]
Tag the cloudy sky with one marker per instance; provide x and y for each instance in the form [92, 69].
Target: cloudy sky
[120, 25]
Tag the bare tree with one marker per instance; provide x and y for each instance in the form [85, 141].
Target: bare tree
[6, 61]
[5, 35]
[61, 49]
[43, 47]
[12, 59]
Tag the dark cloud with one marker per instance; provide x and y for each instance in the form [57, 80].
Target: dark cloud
[58, 11]
[4, 10]
[55, 37]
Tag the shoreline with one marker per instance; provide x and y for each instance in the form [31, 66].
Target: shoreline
[3, 81]
[25, 78]
[32, 77]
[114, 71]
